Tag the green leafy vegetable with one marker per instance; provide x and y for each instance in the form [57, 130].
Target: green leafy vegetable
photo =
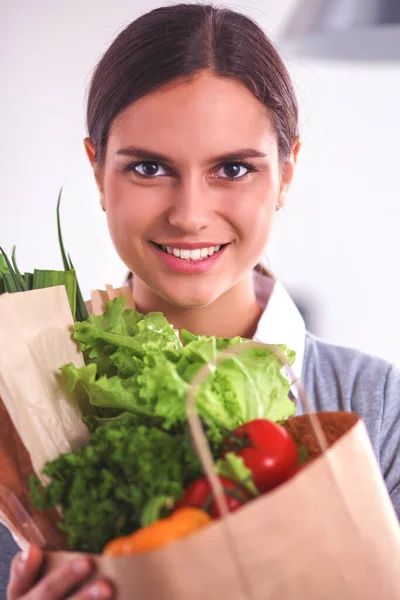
[105, 488]
[132, 393]
[4, 272]
[20, 278]
[137, 363]
[79, 307]
[11, 280]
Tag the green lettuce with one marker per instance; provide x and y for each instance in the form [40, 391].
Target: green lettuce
[138, 364]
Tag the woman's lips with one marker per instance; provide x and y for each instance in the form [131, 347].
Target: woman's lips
[189, 266]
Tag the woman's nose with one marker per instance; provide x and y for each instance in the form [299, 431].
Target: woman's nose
[191, 207]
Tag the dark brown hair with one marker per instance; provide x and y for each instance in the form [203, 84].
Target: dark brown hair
[177, 41]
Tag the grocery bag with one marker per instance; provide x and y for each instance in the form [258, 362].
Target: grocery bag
[328, 533]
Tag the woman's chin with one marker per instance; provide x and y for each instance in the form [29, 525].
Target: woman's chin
[187, 298]
[191, 301]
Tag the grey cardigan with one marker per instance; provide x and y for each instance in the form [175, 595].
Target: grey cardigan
[336, 379]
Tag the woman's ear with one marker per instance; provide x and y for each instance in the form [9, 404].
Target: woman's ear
[98, 171]
[288, 172]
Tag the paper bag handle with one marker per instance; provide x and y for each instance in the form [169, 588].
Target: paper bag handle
[205, 455]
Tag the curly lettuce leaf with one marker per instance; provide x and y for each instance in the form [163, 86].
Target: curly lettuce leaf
[101, 336]
[137, 364]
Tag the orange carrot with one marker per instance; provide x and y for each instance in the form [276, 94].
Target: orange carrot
[180, 524]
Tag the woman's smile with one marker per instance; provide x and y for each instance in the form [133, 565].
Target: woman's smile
[190, 259]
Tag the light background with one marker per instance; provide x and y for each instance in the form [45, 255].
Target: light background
[336, 246]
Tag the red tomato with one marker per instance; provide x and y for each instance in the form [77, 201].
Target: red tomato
[196, 494]
[199, 494]
[267, 450]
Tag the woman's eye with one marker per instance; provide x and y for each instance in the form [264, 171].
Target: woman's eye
[233, 171]
[148, 169]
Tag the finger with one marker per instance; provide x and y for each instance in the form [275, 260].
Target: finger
[99, 590]
[24, 572]
[62, 581]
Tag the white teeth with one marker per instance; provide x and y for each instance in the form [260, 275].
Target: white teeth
[197, 254]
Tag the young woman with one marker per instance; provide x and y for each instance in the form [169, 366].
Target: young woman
[192, 136]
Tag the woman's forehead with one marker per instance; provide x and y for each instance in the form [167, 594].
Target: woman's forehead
[209, 115]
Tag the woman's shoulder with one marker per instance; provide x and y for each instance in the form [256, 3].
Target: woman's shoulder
[341, 378]
[344, 365]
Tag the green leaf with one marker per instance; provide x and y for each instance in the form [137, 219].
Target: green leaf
[3, 265]
[29, 280]
[127, 330]
[187, 337]
[155, 509]
[3, 270]
[66, 264]
[233, 467]
[162, 388]
[20, 278]
[12, 283]
[106, 392]
[94, 421]
[9, 285]
[81, 310]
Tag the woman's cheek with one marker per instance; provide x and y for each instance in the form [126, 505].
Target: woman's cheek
[121, 223]
[254, 214]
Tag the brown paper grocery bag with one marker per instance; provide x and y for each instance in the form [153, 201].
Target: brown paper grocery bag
[35, 340]
[330, 533]
[99, 298]
[38, 420]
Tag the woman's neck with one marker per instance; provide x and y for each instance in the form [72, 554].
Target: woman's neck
[236, 312]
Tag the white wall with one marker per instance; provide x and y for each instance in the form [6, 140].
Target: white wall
[337, 243]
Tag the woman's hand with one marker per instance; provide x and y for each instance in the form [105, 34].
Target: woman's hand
[65, 583]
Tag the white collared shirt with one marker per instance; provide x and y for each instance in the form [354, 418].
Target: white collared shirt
[281, 321]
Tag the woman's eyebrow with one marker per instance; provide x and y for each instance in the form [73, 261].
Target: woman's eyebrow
[144, 154]
[239, 155]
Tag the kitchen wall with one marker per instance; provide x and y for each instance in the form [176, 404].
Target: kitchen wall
[336, 244]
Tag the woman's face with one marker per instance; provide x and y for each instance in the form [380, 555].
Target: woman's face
[190, 184]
